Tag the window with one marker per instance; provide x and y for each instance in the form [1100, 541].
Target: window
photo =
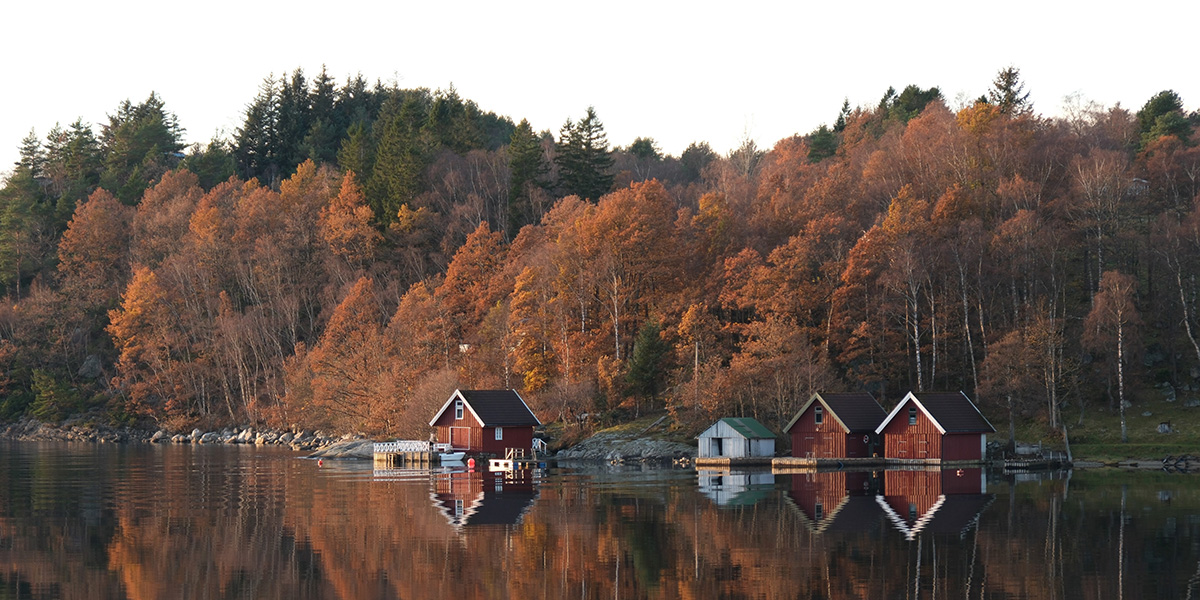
[499, 433]
[819, 415]
[458, 410]
[912, 415]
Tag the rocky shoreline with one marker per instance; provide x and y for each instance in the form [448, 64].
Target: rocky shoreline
[602, 447]
[79, 431]
[620, 448]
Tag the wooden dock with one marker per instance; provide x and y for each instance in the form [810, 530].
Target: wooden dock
[783, 464]
[407, 453]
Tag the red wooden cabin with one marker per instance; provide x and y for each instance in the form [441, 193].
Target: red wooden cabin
[836, 426]
[935, 427]
[486, 422]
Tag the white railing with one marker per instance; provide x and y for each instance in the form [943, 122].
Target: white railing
[401, 446]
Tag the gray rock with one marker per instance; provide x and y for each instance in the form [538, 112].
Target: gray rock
[1147, 414]
[286, 438]
[196, 435]
[1191, 403]
[347, 449]
[159, 436]
[210, 438]
[1168, 393]
[91, 368]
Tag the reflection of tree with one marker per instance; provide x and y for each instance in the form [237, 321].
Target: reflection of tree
[229, 522]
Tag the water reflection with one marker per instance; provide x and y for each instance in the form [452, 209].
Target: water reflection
[471, 498]
[736, 488]
[81, 521]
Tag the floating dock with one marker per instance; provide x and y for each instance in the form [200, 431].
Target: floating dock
[514, 459]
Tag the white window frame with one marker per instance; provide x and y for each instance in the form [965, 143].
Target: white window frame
[499, 433]
[458, 410]
[819, 415]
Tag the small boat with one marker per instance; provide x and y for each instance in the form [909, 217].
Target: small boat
[451, 456]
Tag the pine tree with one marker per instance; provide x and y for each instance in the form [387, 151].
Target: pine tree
[583, 158]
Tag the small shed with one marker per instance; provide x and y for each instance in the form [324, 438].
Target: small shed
[486, 421]
[935, 427]
[737, 437]
[836, 425]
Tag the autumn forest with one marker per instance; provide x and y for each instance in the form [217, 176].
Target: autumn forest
[353, 252]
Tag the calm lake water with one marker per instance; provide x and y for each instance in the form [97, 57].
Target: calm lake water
[147, 522]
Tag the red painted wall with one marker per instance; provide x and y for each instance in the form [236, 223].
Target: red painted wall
[961, 446]
[827, 440]
[514, 437]
[922, 440]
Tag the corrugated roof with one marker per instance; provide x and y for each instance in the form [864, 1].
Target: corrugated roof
[954, 412]
[858, 411]
[748, 428]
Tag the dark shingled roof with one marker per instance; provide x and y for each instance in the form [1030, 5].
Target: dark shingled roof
[954, 412]
[499, 407]
[858, 411]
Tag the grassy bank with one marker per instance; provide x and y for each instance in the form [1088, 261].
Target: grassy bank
[1096, 435]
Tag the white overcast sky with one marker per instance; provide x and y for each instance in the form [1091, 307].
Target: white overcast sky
[671, 70]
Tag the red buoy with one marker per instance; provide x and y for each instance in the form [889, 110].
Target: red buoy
[471, 464]
[320, 462]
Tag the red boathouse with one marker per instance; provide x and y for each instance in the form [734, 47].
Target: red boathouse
[486, 421]
[935, 427]
[840, 425]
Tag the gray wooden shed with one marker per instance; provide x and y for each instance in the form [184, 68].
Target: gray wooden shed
[736, 437]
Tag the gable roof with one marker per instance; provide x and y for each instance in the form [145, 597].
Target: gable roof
[493, 408]
[856, 412]
[950, 412]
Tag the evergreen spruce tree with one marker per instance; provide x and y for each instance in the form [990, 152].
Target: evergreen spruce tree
[583, 158]
[527, 169]
[400, 158]
[254, 142]
[139, 144]
[1008, 92]
[357, 152]
[645, 364]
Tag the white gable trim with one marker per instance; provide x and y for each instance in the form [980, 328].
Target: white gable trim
[896, 411]
[828, 411]
[457, 395]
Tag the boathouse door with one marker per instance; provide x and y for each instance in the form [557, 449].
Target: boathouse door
[460, 438]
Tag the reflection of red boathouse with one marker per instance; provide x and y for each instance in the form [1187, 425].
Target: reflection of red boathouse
[943, 501]
[836, 501]
[469, 498]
